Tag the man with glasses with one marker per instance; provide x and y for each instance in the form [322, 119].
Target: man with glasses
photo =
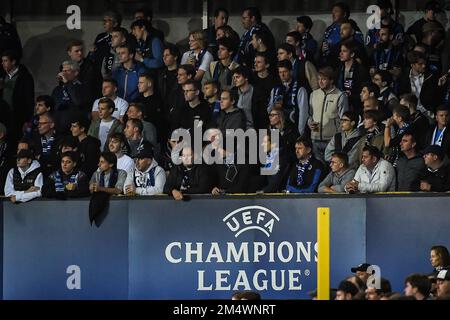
[347, 140]
[339, 176]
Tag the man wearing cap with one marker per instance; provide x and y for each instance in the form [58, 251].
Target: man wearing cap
[24, 183]
[431, 9]
[443, 284]
[148, 178]
[436, 175]
[346, 291]
[361, 271]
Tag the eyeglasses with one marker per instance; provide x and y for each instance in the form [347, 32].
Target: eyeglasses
[271, 115]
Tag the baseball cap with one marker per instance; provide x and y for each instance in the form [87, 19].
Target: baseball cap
[361, 267]
[443, 275]
[145, 150]
[434, 149]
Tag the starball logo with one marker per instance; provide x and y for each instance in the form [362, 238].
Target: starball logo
[275, 257]
[251, 218]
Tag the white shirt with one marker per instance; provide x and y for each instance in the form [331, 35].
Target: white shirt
[207, 59]
[103, 132]
[120, 109]
[126, 164]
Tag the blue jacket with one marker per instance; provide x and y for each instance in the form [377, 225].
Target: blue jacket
[128, 81]
[373, 35]
[152, 51]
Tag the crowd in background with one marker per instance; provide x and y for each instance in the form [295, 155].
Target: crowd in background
[355, 113]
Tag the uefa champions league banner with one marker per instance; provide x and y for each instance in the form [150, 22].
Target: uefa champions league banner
[162, 249]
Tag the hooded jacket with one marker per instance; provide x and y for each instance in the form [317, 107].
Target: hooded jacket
[21, 196]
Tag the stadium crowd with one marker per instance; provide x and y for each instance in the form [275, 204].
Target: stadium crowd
[355, 114]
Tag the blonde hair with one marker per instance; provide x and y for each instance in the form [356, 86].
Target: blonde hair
[200, 37]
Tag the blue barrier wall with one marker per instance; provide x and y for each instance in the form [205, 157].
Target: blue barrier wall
[141, 251]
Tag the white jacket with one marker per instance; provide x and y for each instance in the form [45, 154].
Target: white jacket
[382, 178]
[140, 180]
[21, 196]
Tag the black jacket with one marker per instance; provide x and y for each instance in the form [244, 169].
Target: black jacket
[408, 170]
[200, 181]
[89, 150]
[186, 116]
[231, 120]
[431, 95]
[232, 178]
[439, 179]
[81, 189]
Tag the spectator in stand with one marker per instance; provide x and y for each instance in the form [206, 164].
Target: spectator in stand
[294, 38]
[135, 111]
[102, 43]
[88, 147]
[439, 258]
[436, 176]
[133, 132]
[306, 174]
[70, 97]
[176, 98]
[108, 178]
[118, 145]
[147, 14]
[288, 133]
[410, 164]
[308, 45]
[188, 178]
[24, 182]
[6, 157]
[263, 79]
[261, 44]
[194, 109]
[401, 118]
[227, 32]
[222, 70]
[303, 71]
[149, 50]
[211, 93]
[112, 61]
[374, 34]
[109, 90]
[419, 124]
[44, 104]
[89, 75]
[147, 178]
[127, 75]
[230, 177]
[324, 122]
[347, 140]
[291, 97]
[46, 143]
[339, 176]
[17, 90]
[387, 56]
[220, 19]
[68, 181]
[351, 75]
[106, 125]
[417, 286]
[432, 8]
[383, 79]
[422, 83]
[374, 135]
[151, 104]
[167, 76]
[230, 116]
[340, 13]
[439, 134]
[348, 34]
[374, 175]
[197, 56]
[443, 285]
[346, 291]
[252, 22]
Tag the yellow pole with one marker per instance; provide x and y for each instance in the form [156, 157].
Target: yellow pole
[323, 254]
